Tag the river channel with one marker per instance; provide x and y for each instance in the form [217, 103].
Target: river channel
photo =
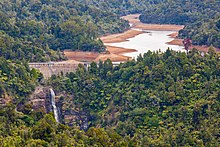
[149, 40]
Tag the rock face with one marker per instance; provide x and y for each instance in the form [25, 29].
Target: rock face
[74, 118]
[40, 99]
[5, 99]
[69, 113]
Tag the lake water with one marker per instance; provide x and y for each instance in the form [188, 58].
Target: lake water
[151, 40]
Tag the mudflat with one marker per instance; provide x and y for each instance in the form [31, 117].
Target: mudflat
[119, 50]
[136, 29]
[202, 48]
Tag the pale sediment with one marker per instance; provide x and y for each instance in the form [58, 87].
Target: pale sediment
[116, 53]
[119, 50]
[134, 20]
[115, 38]
[81, 56]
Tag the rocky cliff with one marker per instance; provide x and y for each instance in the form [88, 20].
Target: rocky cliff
[69, 114]
[40, 99]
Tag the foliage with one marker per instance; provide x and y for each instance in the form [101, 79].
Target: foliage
[200, 17]
[169, 99]
[160, 99]
[46, 132]
[16, 80]
[203, 32]
[30, 29]
[122, 7]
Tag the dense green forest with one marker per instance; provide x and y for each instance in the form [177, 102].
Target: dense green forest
[38, 30]
[169, 99]
[30, 29]
[201, 18]
[17, 80]
[122, 7]
[160, 99]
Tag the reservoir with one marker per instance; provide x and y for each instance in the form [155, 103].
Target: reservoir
[149, 40]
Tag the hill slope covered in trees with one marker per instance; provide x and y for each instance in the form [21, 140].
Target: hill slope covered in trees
[202, 19]
[30, 29]
[162, 99]
[169, 99]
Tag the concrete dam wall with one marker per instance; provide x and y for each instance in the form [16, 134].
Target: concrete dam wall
[54, 68]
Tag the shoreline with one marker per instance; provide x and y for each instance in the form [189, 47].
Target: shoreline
[119, 50]
[132, 32]
[202, 48]
[121, 37]
[137, 24]
[116, 53]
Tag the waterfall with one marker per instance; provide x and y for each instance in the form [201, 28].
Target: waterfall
[52, 94]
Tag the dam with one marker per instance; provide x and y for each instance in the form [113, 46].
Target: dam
[54, 68]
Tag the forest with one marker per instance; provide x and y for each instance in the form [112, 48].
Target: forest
[201, 19]
[159, 99]
[169, 99]
[39, 30]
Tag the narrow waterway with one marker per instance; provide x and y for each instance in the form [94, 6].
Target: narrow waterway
[150, 40]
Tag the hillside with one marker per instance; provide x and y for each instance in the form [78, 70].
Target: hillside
[201, 19]
[38, 30]
[156, 98]
[159, 99]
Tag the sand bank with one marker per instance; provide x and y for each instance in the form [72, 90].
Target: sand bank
[134, 20]
[179, 42]
[112, 57]
[114, 54]
[80, 56]
[119, 50]
[115, 38]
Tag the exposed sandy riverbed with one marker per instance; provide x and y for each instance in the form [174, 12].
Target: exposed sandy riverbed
[115, 53]
[114, 38]
[134, 20]
[177, 41]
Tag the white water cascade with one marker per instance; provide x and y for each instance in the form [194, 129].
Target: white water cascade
[52, 94]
